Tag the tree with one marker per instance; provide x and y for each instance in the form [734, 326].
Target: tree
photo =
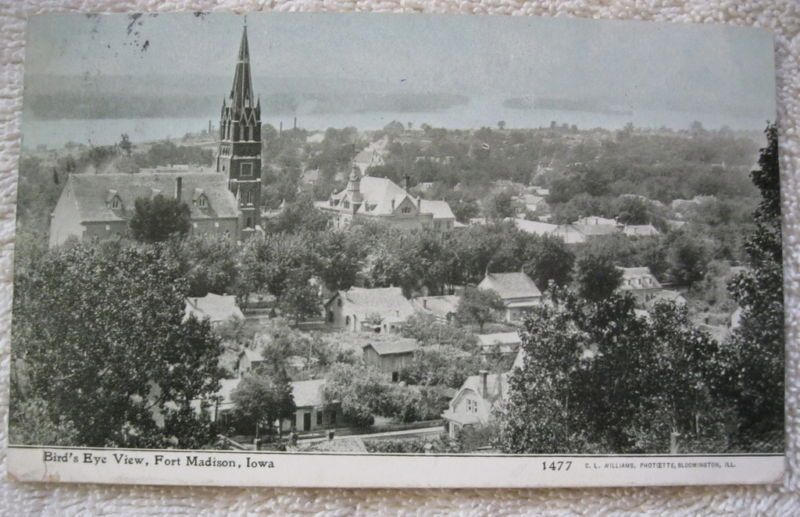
[501, 125]
[597, 277]
[440, 365]
[209, 264]
[263, 399]
[549, 260]
[587, 381]
[479, 306]
[755, 375]
[157, 219]
[125, 144]
[300, 300]
[31, 423]
[500, 206]
[136, 355]
[360, 391]
[689, 259]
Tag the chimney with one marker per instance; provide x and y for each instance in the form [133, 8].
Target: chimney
[178, 187]
[424, 303]
[484, 383]
[406, 182]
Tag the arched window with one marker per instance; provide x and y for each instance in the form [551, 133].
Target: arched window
[116, 203]
[202, 201]
[406, 210]
[347, 320]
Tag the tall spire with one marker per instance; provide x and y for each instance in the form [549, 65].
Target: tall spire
[242, 89]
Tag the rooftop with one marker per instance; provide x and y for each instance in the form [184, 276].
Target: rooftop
[384, 301]
[215, 307]
[510, 285]
[503, 338]
[308, 393]
[94, 193]
[398, 345]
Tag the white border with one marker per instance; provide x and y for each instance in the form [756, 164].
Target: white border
[395, 471]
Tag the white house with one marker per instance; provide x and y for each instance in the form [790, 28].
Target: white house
[475, 400]
[217, 308]
[379, 310]
[517, 290]
[502, 342]
[443, 308]
[641, 283]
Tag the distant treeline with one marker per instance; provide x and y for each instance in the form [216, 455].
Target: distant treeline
[91, 105]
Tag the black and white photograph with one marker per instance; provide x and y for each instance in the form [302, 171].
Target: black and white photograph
[246, 239]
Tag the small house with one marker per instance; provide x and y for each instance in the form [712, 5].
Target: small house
[517, 290]
[380, 310]
[473, 403]
[443, 308]
[390, 356]
[216, 308]
[641, 283]
[504, 343]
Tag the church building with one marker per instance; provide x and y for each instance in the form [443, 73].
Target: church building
[239, 154]
[225, 202]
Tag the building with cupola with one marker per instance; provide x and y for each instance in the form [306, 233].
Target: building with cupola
[367, 198]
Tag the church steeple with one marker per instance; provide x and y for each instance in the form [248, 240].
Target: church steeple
[239, 154]
[242, 90]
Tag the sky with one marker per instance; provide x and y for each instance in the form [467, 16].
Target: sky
[629, 65]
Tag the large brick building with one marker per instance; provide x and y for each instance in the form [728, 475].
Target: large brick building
[225, 202]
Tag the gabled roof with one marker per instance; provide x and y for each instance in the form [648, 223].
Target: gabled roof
[570, 234]
[534, 227]
[387, 302]
[633, 278]
[510, 285]
[439, 209]
[503, 338]
[594, 220]
[438, 305]
[378, 195]
[592, 230]
[93, 193]
[496, 386]
[400, 345]
[308, 393]
[640, 230]
[215, 307]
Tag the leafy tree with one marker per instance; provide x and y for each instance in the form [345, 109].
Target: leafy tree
[586, 384]
[359, 390]
[31, 423]
[500, 206]
[297, 216]
[479, 306]
[300, 300]
[263, 399]
[440, 365]
[539, 415]
[339, 257]
[136, 356]
[209, 264]
[426, 329]
[597, 276]
[689, 259]
[157, 219]
[549, 260]
[755, 377]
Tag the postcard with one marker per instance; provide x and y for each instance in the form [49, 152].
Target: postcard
[343, 250]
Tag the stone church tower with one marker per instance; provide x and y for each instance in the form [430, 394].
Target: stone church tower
[239, 154]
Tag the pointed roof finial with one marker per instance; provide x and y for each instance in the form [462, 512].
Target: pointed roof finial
[245, 21]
